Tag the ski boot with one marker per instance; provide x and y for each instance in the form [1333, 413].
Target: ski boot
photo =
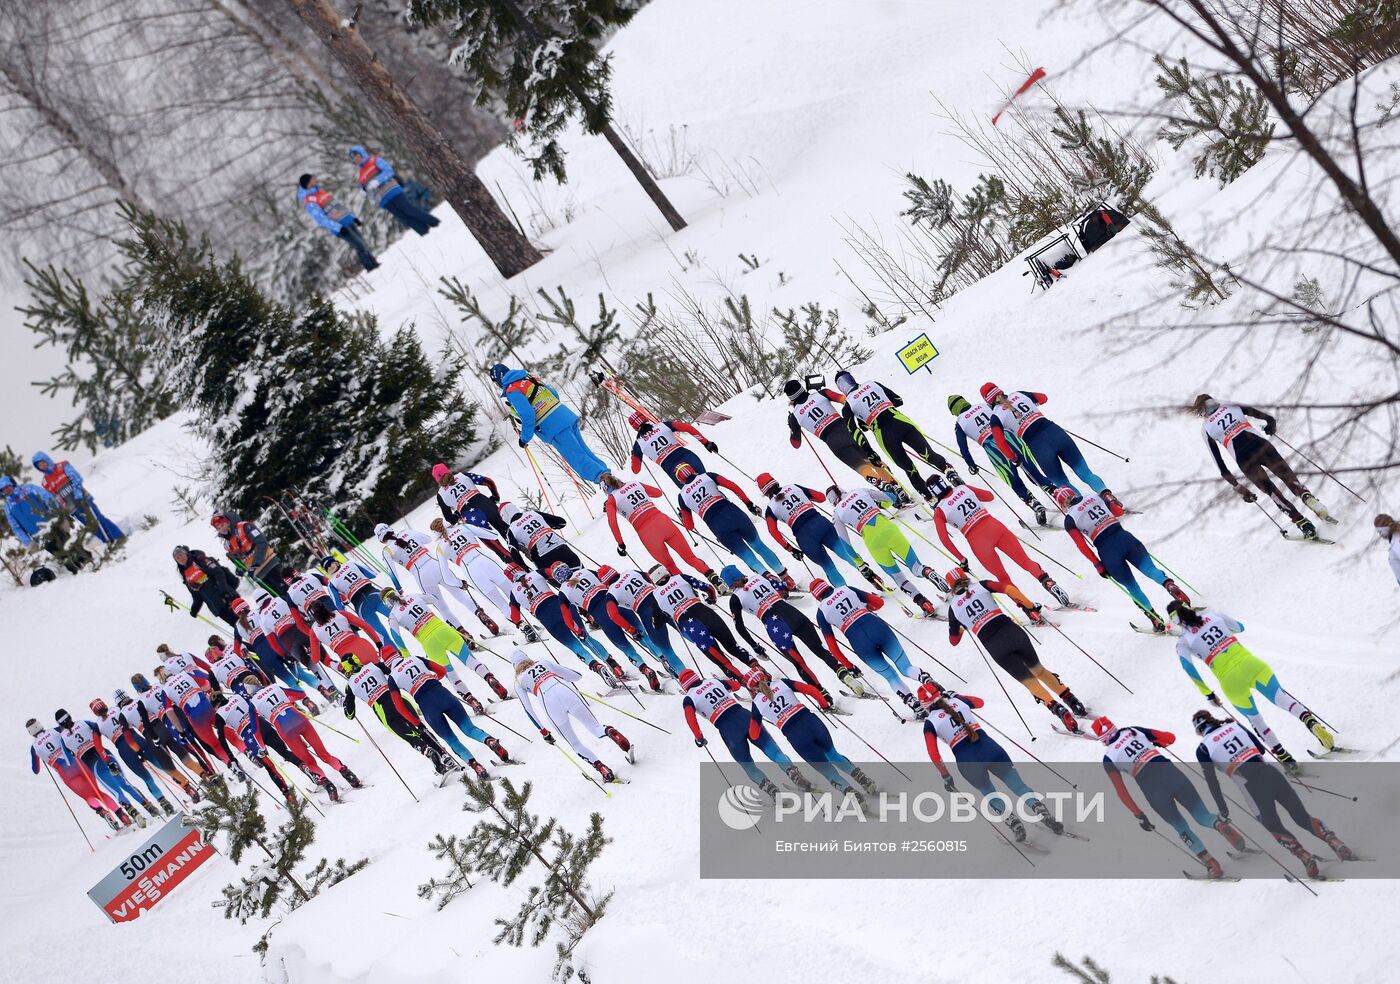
[1075, 704]
[926, 606]
[1018, 829]
[607, 774]
[1175, 591]
[443, 764]
[1159, 625]
[766, 786]
[616, 668]
[530, 634]
[351, 778]
[715, 582]
[1057, 592]
[620, 740]
[954, 479]
[651, 678]
[164, 806]
[1286, 759]
[495, 745]
[1306, 527]
[1039, 808]
[875, 581]
[1318, 508]
[1228, 830]
[850, 676]
[496, 688]
[468, 638]
[330, 789]
[901, 497]
[914, 704]
[1035, 614]
[1036, 508]
[1301, 853]
[108, 818]
[1213, 869]
[1320, 732]
[799, 780]
[1111, 500]
[866, 783]
[1333, 841]
[478, 768]
[491, 627]
[329, 692]
[470, 700]
[788, 583]
[604, 674]
[1065, 715]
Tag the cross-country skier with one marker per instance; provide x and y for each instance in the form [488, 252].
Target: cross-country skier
[335, 633]
[83, 739]
[539, 411]
[874, 406]
[587, 594]
[536, 533]
[979, 757]
[659, 441]
[275, 705]
[1228, 424]
[232, 670]
[414, 552]
[816, 413]
[657, 531]
[252, 640]
[189, 692]
[285, 628]
[1210, 636]
[306, 587]
[128, 713]
[795, 505]
[758, 595]
[988, 536]
[560, 705]
[974, 608]
[354, 584]
[530, 591]
[166, 728]
[682, 600]
[636, 595]
[179, 662]
[1137, 751]
[439, 641]
[853, 612]
[714, 698]
[859, 511]
[1089, 520]
[1229, 745]
[979, 423]
[375, 687]
[1043, 442]
[1389, 532]
[466, 497]
[777, 703]
[468, 547]
[420, 680]
[238, 726]
[702, 495]
[47, 747]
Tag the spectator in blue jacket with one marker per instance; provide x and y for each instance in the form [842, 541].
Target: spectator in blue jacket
[64, 482]
[27, 508]
[339, 221]
[381, 185]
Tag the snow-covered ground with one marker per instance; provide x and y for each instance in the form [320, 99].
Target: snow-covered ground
[825, 104]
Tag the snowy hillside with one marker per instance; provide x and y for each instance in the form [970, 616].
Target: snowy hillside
[821, 106]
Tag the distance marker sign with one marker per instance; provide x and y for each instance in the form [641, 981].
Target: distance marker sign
[149, 873]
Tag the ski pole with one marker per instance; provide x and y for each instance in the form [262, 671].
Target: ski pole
[1049, 768]
[534, 466]
[295, 785]
[1174, 574]
[356, 546]
[1269, 516]
[1105, 450]
[1319, 467]
[837, 720]
[565, 752]
[386, 759]
[574, 478]
[997, 677]
[722, 774]
[323, 724]
[737, 469]
[517, 734]
[1090, 658]
[58, 790]
[599, 700]
[819, 459]
[901, 523]
[926, 652]
[172, 604]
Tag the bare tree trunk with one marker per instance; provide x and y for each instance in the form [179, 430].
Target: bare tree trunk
[277, 45]
[508, 249]
[52, 115]
[648, 183]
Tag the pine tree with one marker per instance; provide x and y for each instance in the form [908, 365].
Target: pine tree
[540, 60]
[459, 870]
[306, 398]
[1228, 115]
[503, 338]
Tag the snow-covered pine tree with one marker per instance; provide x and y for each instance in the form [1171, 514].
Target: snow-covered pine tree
[457, 879]
[1227, 115]
[305, 397]
[540, 60]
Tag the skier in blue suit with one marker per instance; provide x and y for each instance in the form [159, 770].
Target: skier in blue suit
[541, 412]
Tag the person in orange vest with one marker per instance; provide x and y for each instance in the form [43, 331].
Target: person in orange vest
[541, 413]
[209, 583]
[247, 546]
[335, 218]
[383, 186]
[64, 482]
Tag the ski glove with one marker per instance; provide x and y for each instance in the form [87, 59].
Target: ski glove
[752, 508]
[713, 448]
[1270, 426]
[544, 733]
[622, 550]
[1144, 823]
[796, 554]
[701, 742]
[973, 470]
[964, 564]
[1214, 699]
[1245, 494]
[524, 443]
[948, 784]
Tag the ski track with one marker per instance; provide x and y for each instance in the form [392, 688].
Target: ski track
[833, 115]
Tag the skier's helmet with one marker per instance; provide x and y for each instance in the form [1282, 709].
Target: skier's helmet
[755, 678]
[325, 563]
[689, 678]
[63, 719]
[1065, 497]
[957, 404]
[1203, 722]
[120, 697]
[1103, 727]
[139, 681]
[845, 382]
[498, 373]
[514, 572]
[990, 392]
[794, 390]
[658, 574]
[35, 728]
[937, 487]
[929, 692]
[955, 577]
[730, 574]
[819, 587]
[382, 531]
[350, 663]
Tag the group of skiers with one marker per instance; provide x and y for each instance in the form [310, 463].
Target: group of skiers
[381, 185]
[340, 628]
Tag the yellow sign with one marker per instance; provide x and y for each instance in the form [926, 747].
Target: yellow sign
[918, 354]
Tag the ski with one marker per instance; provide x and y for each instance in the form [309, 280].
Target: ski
[1074, 607]
[1207, 878]
[1334, 750]
[1043, 623]
[1164, 632]
[1299, 538]
[1060, 729]
[847, 693]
